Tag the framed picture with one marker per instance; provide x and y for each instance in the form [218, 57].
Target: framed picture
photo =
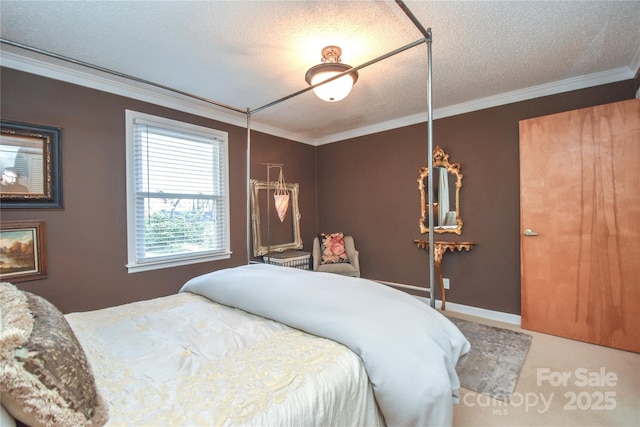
[30, 165]
[22, 251]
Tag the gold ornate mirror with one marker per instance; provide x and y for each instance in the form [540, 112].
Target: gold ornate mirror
[269, 233]
[447, 182]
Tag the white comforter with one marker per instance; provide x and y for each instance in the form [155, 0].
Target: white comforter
[409, 349]
[183, 360]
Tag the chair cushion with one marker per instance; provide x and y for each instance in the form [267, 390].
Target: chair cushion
[346, 269]
[45, 376]
[332, 248]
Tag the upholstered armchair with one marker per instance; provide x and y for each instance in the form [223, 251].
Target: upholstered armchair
[351, 268]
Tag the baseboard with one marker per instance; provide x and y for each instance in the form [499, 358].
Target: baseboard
[483, 313]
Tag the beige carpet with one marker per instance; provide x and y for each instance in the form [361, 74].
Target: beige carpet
[562, 383]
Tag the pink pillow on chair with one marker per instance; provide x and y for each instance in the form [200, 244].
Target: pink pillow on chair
[332, 248]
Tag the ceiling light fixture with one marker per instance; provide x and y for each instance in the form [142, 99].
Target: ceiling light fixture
[332, 65]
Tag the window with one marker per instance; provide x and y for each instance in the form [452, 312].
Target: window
[177, 193]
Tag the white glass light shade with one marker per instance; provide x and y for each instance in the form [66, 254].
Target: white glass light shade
[335, 90]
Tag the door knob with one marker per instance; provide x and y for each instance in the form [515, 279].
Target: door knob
[528, 232]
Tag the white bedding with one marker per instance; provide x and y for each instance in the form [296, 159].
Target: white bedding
[184, 360]
[409, 349]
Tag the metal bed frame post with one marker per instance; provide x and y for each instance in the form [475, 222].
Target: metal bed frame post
[427, 34]
[248, 201]
[432, 298]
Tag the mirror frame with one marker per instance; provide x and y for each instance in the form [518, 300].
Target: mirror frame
[47, 140]
[440, 159]
[258, 247]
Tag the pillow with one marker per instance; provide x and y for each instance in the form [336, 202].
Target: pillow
[45, 378]
[332, 248]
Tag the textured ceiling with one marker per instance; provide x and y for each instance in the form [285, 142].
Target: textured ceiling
[247, 54]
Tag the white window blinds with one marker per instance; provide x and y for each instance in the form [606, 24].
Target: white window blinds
[178, 193]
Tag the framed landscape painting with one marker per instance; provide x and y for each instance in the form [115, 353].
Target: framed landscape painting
[22, 251]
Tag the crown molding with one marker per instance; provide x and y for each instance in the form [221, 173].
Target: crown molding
[119, 86]
[123, 87]
[567, 85]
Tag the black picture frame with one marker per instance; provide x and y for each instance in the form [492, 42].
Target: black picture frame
[33, 153]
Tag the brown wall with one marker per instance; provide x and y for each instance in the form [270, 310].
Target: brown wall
[365, 187]
[368, 187]
[86, 241]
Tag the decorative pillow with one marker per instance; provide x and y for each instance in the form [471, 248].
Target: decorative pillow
[332, 248]
[45, 378]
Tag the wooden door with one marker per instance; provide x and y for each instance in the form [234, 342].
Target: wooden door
[580, 192]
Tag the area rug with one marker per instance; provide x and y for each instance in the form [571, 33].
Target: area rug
[493, 365]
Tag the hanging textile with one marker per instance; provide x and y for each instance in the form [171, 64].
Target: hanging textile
[281, 196]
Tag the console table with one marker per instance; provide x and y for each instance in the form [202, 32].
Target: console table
[439, 248]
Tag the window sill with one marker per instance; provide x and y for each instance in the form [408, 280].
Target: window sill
[157, 265]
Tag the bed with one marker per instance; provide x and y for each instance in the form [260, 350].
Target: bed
[251, 345]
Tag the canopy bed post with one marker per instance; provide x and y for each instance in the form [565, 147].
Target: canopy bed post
[248, 194]
[427, 34]
[432, 276]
